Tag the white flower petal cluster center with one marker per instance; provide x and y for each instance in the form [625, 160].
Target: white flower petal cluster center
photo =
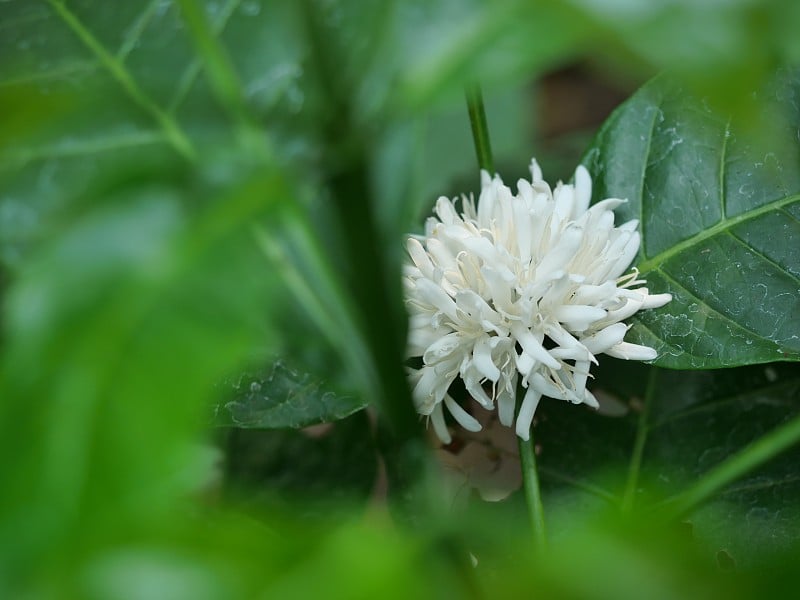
[524, 288]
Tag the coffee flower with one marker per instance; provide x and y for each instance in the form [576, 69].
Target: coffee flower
[526, 288]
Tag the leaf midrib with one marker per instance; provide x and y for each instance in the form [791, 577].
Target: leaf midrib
[653, 263]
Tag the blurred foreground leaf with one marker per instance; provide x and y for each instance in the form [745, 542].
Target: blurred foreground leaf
[117, 330]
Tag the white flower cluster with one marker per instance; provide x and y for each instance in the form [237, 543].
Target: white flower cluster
[524, 288]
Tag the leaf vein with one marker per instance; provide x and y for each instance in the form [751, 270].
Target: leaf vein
[764, 257]
[190, 74]
[174, 133]
[761, 485]
[136, 30]
[711, 310]
[722, 163]
[645, 165]
[18, 156]
[654, 263]
[64, 70]
[788, 214]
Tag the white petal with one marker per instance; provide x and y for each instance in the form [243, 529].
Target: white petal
[594, 294]
[441, 254]
[482, 359]
[536, 171]
[631, 306]
[487, 199]
[499, 290]
[548, 388]
[560, 256]
[583, 191]
[443, 348]
[629, 351]
[457, 236]
[576, 353]
[446, 211]
[626, 256]
[506, 403]
[466, 420]
[439, 426]
[656, 300]
[424, 391]
[435, 296]
[533, 346]
[566, 340]
[522, 223]
[579, 376]
[579, 317]
[525, 362]
[606, 205]
[420, 339]
[564, 197]
[526, 411]
[590, 400]
[605, 338]
[473, 383]
[420, 257]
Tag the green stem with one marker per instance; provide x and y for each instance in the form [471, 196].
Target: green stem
[738, 465]
[642, 429]
[480, 131]
[533, 495]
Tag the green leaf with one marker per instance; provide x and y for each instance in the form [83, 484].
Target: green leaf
[691, 423]
[698, 420]
[568, 437]
[118, 86]
[719, 216]
[282, 396]
[117, 330]
[327, 469]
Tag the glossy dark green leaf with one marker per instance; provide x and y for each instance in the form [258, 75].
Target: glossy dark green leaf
[281, 396]
[698, 420]
[718, 210]
[694, 422]
[583, 449]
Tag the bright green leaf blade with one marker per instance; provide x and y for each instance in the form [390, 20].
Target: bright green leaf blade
[117, 331]
[719, 222]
